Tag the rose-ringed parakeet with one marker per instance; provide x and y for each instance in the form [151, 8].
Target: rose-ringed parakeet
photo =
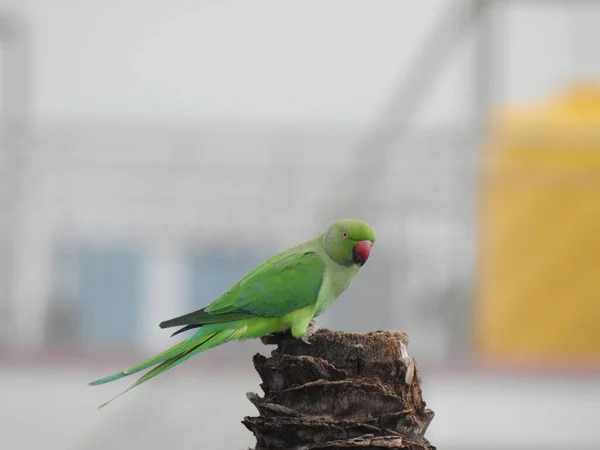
[285, 292]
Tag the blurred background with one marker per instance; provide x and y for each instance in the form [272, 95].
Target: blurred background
[152, 152]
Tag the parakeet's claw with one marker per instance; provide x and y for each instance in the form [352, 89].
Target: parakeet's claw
[311, 329]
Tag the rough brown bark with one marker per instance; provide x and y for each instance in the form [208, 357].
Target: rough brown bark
[343, 391]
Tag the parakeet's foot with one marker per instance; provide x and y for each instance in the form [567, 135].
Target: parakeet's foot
[305, 340]
[275, 338]
[310, 330]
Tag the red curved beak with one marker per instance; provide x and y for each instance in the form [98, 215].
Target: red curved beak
[361, 252]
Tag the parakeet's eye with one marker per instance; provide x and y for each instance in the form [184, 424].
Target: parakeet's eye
[345, 235]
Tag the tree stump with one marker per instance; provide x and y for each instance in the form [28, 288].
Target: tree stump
[341, 391]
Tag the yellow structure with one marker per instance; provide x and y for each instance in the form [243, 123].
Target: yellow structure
[539, 280]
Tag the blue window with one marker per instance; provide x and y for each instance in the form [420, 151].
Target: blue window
[110, 293]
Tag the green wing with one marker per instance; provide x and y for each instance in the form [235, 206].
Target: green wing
[277, 287]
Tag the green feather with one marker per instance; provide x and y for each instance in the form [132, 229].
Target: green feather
[176, 349]
[185, 352]
[275, 288]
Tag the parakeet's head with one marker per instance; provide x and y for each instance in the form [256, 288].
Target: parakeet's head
[349, 241]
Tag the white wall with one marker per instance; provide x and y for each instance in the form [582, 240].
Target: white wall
[281, 61]
[271, 60]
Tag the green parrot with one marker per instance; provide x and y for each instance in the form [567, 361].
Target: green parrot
[285, 292]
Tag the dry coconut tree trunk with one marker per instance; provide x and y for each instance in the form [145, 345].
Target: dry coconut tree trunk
[343, 391]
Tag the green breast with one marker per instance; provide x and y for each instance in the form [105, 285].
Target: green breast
[336, 281]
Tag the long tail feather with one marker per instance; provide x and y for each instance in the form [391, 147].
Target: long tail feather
[210, 341]
[150, 374]
[157, 359]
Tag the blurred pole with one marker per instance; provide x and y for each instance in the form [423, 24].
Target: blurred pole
[14, 129]
[484, 67]
[375, 151]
